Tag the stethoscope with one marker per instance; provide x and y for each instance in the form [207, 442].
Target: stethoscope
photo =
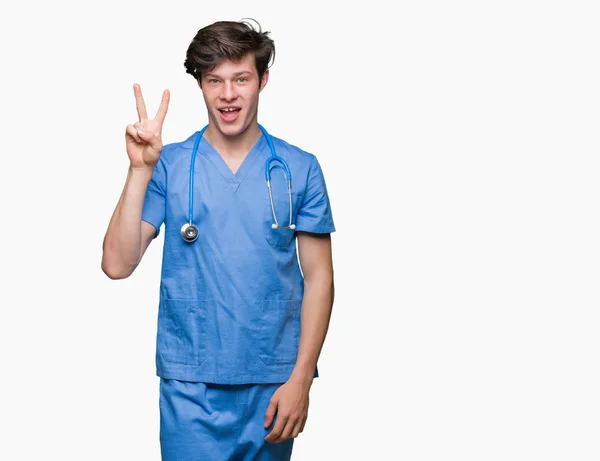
[189, 231]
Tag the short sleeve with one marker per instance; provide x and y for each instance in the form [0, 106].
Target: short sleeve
[315, 214]
[155, 198]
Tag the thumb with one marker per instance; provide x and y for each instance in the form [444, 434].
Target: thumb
[270, 413]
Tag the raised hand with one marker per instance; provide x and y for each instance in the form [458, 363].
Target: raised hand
[144, 138]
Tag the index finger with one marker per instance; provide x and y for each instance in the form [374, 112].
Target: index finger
[139, 102]
[162, 109]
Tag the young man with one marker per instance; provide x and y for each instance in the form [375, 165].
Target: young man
[242, 315]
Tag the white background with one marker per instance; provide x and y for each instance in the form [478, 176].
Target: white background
[459, 141]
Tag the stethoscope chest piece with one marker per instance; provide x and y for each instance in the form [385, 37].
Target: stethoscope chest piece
[189, 232]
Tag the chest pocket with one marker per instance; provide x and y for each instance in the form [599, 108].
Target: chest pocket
[280, 238]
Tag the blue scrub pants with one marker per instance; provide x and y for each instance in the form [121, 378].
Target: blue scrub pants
[217, 422]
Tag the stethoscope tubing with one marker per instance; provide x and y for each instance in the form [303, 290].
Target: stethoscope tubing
[189, 231]
[193, 161]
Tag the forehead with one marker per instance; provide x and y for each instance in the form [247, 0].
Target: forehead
[227, 67]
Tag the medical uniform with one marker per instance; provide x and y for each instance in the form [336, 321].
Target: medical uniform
[229, 311]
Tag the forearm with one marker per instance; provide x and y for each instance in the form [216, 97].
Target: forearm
[314, 323]
[122, 242]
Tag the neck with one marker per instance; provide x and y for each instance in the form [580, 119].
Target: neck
[233, 146]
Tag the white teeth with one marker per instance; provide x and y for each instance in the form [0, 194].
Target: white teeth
[228, 109]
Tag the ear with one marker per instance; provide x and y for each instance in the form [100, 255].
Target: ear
[264, 80]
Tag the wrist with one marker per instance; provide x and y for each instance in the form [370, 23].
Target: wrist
[303, 376]
[143, 171]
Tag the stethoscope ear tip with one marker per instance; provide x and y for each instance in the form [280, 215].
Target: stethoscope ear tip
[275, 226]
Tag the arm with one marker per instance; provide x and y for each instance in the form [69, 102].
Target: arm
[128, 237]
[314, 252]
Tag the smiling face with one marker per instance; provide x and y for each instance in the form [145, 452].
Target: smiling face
[230, 92]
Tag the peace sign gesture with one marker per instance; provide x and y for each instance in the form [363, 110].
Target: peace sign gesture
[143, 138]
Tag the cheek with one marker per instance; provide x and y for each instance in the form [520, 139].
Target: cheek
[209, 95]
[251, 96]
[206, 100]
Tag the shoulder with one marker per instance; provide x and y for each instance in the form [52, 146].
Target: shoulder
[300, 158]
[304, 166]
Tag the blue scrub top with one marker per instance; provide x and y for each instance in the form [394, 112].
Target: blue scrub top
[229, 309]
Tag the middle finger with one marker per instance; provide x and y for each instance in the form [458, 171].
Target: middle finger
[162, 109]
[287, 430]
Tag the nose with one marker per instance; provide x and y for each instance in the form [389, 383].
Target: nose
[228, 91]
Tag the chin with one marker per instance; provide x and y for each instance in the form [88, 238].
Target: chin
[232, 130]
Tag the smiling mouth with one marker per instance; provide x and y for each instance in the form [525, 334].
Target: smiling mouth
[229, 110]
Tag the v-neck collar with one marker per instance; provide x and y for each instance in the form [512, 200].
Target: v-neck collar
[233, 179]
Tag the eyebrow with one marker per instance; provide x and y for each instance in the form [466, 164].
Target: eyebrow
[235, 74]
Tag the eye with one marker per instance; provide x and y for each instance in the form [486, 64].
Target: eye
[242, 79]
[213, 80]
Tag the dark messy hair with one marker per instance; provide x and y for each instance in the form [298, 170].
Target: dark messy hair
[232, 41]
